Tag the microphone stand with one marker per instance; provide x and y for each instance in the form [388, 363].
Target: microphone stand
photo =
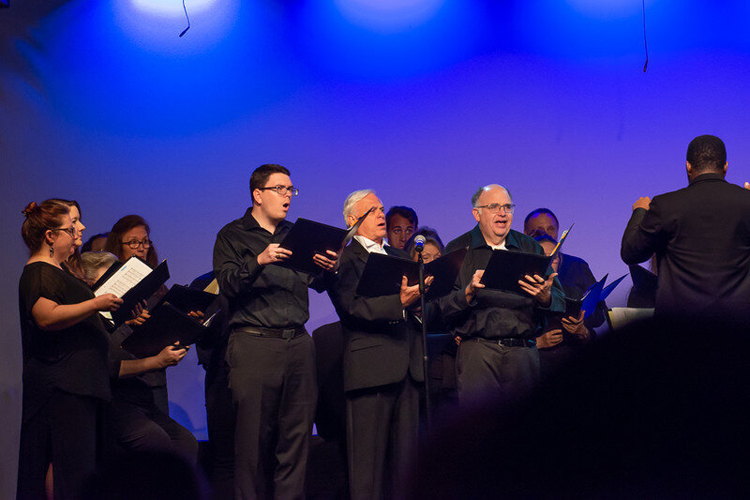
[425, 357]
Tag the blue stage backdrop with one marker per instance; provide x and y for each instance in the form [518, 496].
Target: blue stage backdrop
[422, 100]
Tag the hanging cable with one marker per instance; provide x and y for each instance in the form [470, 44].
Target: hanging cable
[188, 20]
[645, 42]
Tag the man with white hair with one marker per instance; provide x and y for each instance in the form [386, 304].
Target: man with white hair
[382, 361]
[497, 354]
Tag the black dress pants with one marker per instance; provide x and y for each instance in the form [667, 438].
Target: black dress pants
[147, 428]
[274, 389]
[487, 370]
[220, 422]
[382, 437]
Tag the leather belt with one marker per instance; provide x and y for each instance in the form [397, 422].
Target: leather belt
[508, 341]
[274, 333]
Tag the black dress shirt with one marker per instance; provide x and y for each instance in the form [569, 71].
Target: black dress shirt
[259, 296]
[494, 313]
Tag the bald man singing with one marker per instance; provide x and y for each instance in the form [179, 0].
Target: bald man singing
[497, 355]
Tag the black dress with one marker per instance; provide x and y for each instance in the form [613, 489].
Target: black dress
[65, 383]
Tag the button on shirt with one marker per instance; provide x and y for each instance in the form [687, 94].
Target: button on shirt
[259, 296]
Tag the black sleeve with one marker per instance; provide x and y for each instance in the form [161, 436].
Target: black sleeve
[40, 281]
[347, 302]
[235, 270]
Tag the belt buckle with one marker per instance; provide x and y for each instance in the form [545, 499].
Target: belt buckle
[288, 334]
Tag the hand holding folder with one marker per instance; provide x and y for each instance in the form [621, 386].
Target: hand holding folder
[133, 281]
[383, 274]
[307, 244]
[506, 268]
[166, 326]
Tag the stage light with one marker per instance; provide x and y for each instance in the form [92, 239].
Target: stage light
[388, 15]
[4, 3]
[172, 8]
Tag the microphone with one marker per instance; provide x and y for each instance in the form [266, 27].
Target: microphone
[419, 243]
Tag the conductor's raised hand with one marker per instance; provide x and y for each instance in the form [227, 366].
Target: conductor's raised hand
[474, 285]
[409, 294]
[642, 202]
[327, 262]
[273, 253]
[107, 302]
[538, 287]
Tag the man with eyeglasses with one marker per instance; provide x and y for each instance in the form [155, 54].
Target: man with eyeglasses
[270, 355]
[497, 355]
[701, 237]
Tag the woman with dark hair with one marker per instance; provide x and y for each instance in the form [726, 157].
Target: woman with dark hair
[140, 413]
[65, 370]
[130, 236]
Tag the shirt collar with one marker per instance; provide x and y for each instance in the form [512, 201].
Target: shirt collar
[477, 239]
[708, 177]
[251, 224]
[370, 245]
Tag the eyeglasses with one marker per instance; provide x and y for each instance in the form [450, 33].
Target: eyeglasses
[135, 244]
[282, 190]
[496, 208]
[70, 230]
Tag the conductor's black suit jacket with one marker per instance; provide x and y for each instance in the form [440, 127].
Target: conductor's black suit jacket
[701, 237]
[380, 346]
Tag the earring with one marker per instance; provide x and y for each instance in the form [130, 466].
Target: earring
[51, 251]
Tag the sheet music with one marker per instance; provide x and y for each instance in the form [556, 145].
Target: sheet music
[129, 275]
[620, 317]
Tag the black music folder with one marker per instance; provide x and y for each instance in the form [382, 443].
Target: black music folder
[133, 281]
[307, 238]
[507, 267]
[591, 299]
[444, 270]
[586, 303]
[166, 326]
[383, 274]
[188, 299]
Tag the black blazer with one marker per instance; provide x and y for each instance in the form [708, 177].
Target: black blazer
[380, 346]
[701, 237]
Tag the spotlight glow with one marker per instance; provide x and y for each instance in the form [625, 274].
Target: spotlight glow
[387, 16]
[172, 7]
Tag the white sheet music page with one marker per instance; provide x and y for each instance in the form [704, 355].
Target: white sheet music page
[129, 275]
